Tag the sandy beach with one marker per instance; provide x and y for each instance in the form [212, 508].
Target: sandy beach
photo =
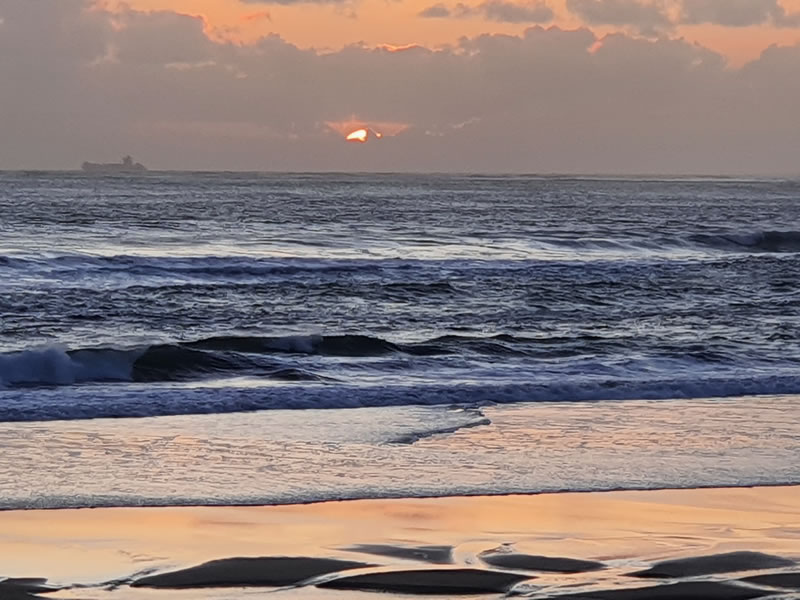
[714, 543]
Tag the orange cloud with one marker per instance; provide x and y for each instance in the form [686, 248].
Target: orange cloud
[403, 48]
[397, 26]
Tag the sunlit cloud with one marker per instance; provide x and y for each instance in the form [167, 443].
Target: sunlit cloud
[403, 48]
[288, 2]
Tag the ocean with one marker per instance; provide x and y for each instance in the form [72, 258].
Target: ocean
[222, 338]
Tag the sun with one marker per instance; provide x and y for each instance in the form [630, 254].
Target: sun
[362, 135]
[359, 135]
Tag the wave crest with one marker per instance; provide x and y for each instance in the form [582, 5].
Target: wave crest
[227, 356]
[763, 241]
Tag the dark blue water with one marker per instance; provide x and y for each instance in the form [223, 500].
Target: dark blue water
[430, 335]
[127, 296]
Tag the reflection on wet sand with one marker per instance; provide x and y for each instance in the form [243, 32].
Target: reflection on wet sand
[549, 544]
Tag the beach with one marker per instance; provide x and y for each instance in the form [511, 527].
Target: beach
[545, 546]
[222, 385]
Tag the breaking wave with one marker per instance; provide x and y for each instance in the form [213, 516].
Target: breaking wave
[228, 356]
[85, 402]
[213, 357]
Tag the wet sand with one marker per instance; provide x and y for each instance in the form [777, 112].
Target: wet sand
[716, 543]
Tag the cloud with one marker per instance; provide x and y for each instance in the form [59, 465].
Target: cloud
[90, 85]
[647, 16]
[160, 37]
[652, 17]
[290, 2]
[436, 11]
[736, 13]
[509, 12]
[498, 11]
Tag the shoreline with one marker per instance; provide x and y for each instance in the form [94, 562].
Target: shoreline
[104, 550]
[401, 497]
[217, 460]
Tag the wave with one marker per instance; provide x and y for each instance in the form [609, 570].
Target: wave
[625, 243]
[214, 357]
[286, 358]
[760, 241]
[82, 500]
[187, 266]
[334, 345]
[90, 402]
[478, 419]
[629, 242]
[224, 356]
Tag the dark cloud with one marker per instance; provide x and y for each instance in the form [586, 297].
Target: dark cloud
[436, 11]
[736, 13]
[499, 11]
[160, 37]
[549, 100]
[509, 12]
[657, 16]
[646, 15]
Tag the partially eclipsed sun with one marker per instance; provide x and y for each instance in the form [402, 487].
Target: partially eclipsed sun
[359, 131]
[359, 135]
[363, 135]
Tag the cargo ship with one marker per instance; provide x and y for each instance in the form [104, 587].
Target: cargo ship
[126, 166]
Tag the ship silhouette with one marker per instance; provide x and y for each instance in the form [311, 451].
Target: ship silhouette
[126, 166]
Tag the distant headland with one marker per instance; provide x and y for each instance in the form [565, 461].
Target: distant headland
[126, 166]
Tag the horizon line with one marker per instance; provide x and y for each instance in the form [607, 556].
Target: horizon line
[532, 174]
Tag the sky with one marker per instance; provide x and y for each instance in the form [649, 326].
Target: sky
[533, 86]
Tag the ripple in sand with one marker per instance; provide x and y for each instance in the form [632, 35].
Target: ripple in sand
[265, 571]
[715, 563]
[430, 581]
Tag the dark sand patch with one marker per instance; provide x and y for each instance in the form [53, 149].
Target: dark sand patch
[690, 590]
[433, 582]
[34, 585]
[787, 581]
[531, 562]
[13, 588]
[715, 563]
[266, 571]
[432, 554]
[14, 594]
[24, 588]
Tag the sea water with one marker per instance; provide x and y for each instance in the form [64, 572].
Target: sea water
[174, 338]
